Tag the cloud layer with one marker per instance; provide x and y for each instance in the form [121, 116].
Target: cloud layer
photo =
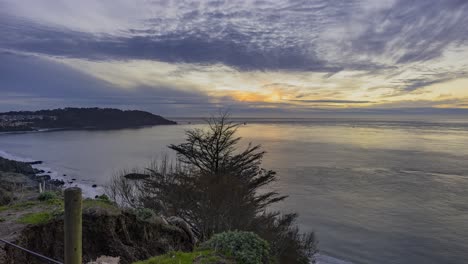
[246, 54]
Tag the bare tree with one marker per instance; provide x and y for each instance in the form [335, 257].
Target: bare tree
[124, 191]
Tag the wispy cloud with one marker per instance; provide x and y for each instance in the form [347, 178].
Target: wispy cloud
[356, 52]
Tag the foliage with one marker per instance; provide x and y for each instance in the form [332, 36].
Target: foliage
[124, 191]
[55, 202]
[245, 247]
[203, 257]
[45, 196]
[215, 187]
[5, 197]
[35, 218]
[104, 197]
[91, 118]
[144, 213]
[288, 245]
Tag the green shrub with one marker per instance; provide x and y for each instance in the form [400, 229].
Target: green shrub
[5, 197]
[104, 198]
[45, 196]
[245, 247]
[287, 244]
[144, 213]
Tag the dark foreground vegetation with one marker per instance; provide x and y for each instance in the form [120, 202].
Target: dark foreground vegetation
[19, 180]
[78, 118]
[211, 206]
[215, 187]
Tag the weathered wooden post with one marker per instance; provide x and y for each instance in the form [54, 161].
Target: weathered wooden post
[73, 226]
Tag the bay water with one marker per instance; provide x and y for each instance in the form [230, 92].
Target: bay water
[375, 190]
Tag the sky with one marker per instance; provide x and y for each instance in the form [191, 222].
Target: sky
[256, 58]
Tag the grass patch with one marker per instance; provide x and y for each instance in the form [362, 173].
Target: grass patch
[55, 202]
[36, 218]
[19, 206]
[205, 257]
[98, 203]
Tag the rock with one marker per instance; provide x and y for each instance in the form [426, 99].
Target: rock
[56, 182]
[43, 177]
[73, 179]
[64, 175]
[34, 162]
[49, 172]
[94, 186]
[136, 176]
[106, 260]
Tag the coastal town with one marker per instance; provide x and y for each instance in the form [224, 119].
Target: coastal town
[22, 122]
[78, 118]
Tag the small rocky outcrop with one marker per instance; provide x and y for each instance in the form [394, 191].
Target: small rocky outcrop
[37, 162]
[136, 176]
[105, 232]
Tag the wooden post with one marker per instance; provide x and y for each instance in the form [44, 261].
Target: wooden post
[73, 226]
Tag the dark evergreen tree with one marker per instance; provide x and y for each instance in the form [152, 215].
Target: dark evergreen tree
[215, 187]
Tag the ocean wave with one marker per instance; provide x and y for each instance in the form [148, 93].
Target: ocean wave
[324, 259]
[10, 156]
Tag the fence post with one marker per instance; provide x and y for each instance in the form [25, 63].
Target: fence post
[73, 226]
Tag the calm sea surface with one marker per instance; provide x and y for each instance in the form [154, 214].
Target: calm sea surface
[374, 190]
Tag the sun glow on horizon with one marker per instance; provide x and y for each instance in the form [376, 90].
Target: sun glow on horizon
[344, 89]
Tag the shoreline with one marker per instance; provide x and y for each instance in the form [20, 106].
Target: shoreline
[79, 129]
[31, 131]
[88, 190]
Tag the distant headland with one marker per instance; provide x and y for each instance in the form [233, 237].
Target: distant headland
[78, 118]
